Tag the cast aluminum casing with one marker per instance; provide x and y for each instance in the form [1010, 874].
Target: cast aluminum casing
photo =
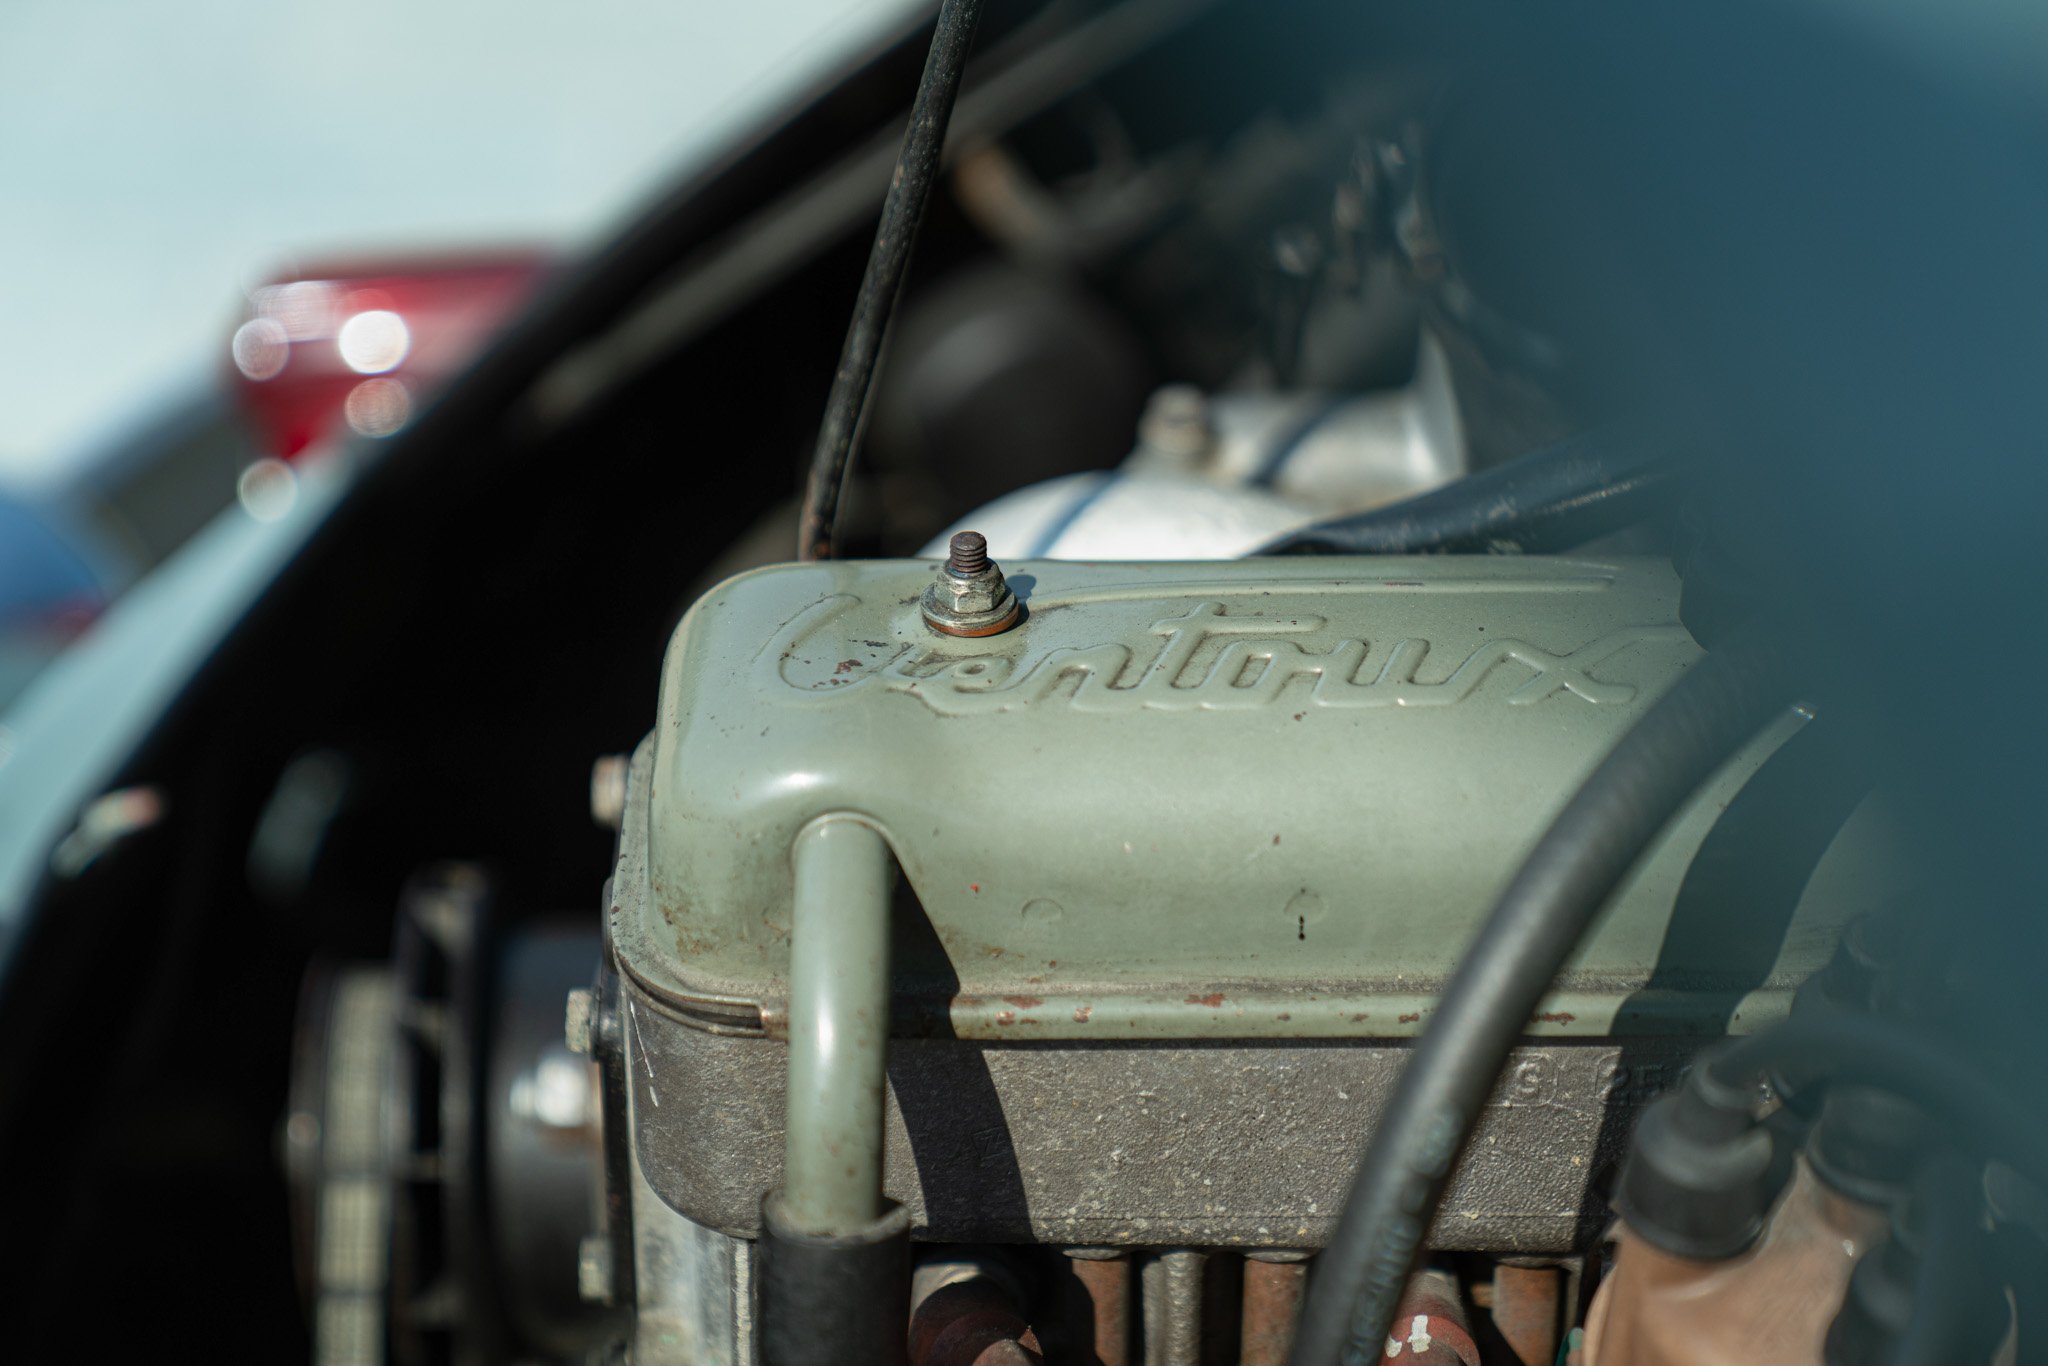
[1186, 855]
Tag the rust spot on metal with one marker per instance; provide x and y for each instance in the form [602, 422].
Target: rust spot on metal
[846, 666]
[1284, 1015]
[1526, 1304]
[1081, 1014]
[1556, 1017]
[1214, 998]
[1004, 1017]
[974, 887]
[1298, 715]
[1411, 1017]
[1272, 1302]
[1276, 839]
[971, 1323]
[1025, 1002]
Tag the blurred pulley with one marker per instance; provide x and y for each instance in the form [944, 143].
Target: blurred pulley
[442, 1144]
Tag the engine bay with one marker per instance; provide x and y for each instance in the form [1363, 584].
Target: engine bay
[1372, 758]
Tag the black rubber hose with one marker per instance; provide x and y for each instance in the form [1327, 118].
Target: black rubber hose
[1548, 500]
[1663, 759]
[1871, 1050]
[1954, 1298]
[834, 1300]
[917, 166]
[1927, 1295]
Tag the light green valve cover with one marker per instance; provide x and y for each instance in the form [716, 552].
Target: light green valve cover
[1262, 798]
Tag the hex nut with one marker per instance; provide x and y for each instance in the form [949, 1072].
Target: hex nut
[976, 596]
[968, 595]
[978, 606]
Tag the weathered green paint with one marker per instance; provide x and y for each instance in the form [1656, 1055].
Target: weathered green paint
[1268, 798]
[838, 1027]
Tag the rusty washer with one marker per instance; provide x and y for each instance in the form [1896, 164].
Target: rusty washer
[968, 595]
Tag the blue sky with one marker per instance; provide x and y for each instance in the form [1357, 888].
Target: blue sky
[155, 159]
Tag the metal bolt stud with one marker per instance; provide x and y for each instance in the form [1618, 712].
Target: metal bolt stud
[1177, 425]
[968, 595]
[968, 553]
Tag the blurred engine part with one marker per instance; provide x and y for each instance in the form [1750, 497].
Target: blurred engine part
[442, 1141]
[1841, 1221]
[1221, 476]
[1560, 498]
[999, 378]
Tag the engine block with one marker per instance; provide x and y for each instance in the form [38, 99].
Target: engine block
[1185, 857]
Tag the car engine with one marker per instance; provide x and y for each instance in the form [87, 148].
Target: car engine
[1342, 760]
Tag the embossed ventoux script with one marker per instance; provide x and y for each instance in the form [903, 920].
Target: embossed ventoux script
[1260, 657]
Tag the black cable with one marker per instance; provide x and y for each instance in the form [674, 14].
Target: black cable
[1927, 1294]
[1949, 1289]
[910, 190]
[1547, 500]
[1663, 759]
[1871, 1050]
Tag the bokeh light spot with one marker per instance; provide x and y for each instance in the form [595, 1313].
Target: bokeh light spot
[374, 342]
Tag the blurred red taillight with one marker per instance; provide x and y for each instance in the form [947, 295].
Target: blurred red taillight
[354, 347]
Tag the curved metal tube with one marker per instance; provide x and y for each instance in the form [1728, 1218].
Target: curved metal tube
[838, 1027]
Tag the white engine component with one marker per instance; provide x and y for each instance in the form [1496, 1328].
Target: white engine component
[1216, 478]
